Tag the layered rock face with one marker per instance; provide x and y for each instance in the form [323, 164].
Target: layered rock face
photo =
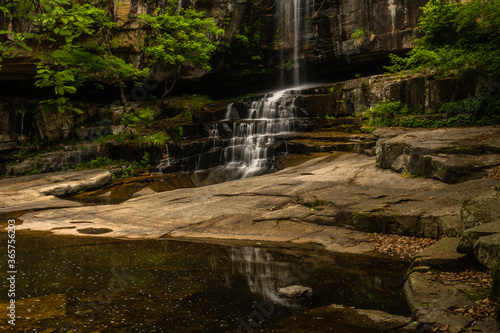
[333, 34]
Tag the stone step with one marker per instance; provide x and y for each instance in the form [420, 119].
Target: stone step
[343, 121]
[346, 128]
[442, 256]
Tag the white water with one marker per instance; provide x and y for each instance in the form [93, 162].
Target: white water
[248, 151]
[293, 28]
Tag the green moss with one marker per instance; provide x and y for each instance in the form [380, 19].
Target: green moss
[475, 293]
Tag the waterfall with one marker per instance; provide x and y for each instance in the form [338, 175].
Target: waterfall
[258, 126]
[392, 9]
[214, 134]
[249, 150]
[292, 31]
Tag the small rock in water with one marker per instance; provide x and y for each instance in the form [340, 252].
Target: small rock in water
[295, 291]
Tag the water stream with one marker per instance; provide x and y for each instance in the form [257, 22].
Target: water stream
[255, 129]
[255, 134]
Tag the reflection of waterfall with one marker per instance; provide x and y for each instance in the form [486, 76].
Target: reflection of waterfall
[264, 276]
[248, 153]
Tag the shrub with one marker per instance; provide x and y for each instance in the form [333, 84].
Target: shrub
[385, 113]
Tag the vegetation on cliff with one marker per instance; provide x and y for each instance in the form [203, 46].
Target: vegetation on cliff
[179, 38]
[457, 39]
[74, 44]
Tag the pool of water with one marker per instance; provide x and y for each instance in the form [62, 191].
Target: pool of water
[164, 285]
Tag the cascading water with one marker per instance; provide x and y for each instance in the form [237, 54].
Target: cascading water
[256, 128]
[248, 152]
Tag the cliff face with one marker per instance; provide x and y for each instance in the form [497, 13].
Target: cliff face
[335, 35]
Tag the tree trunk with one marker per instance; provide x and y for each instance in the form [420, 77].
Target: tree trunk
[174, 74]
[124, 99]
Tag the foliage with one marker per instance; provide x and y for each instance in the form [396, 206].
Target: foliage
[385, 113]
[179, 38]
[142, 116]
[480, 110]
[60, 28]
[287, 65]
[145, 161]
[98, 162]
[128, 168]
[457, 38]
[158, 139]
[358, 37]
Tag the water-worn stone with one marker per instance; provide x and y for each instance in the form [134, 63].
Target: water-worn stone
[470, 236]
[305, 203]
[434, 302]
[39, 191]
[450, 155]
[325, 319]
[483, 209]
[487, 250]
[442, 256]
[295, 291]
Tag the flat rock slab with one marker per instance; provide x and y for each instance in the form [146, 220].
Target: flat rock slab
[308, 203]
[39, 191]
[442, 256]
[448, 154]
[434, 302]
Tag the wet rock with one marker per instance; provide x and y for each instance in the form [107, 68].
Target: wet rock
[54, 306]
[144, 191]
[325, 319]
[94, 231]
[442, 255]
[295, 291]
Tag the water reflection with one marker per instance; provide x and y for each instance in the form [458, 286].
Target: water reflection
[110, 285]
[263, 274]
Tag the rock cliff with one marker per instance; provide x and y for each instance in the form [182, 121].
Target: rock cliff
[335, 34]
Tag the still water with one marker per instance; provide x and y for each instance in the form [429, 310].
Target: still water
[83, 284]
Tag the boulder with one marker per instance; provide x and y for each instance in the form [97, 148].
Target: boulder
[483, 209]
[450, 154]
[434, 302]
[470, 236]
[295, 291]
[487, 250]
